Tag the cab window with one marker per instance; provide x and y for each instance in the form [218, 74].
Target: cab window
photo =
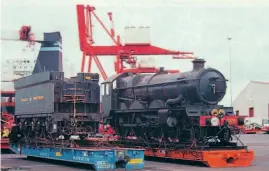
[114, 84]
[103, 89]
[107, 89]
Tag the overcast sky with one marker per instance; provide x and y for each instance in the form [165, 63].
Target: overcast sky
[198, 27]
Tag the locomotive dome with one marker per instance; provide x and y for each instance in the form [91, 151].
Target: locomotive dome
[211, 86]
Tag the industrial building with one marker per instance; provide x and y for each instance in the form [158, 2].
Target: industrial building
[253, 101]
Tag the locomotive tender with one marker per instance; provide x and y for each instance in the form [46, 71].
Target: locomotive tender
[178, 107]
[50, 107]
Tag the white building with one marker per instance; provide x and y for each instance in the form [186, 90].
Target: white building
[253, 101]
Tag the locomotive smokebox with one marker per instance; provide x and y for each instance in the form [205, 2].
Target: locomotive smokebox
[198, 64]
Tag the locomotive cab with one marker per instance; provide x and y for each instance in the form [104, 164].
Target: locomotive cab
[108, 94]
[106, 98]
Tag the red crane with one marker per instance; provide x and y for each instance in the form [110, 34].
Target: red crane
[124, 53]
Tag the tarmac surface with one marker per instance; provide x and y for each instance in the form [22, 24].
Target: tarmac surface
[257, 142]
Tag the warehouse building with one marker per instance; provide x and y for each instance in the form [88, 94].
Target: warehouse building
[253, 101]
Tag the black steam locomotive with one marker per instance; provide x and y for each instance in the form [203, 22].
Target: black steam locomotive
[50, 107]
[163, 107]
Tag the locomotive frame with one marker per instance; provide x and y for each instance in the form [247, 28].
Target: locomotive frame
[153, 122]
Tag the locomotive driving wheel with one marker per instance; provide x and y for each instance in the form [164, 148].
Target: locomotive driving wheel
[25, 129]
[138, 129]
[173, 135]
[66, 130]
[133, 119]
[119, 126]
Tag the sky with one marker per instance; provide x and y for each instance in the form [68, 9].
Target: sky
[201, 27]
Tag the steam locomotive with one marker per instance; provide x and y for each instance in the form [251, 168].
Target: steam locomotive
[50, 107]
[179, 108]
[172, 108]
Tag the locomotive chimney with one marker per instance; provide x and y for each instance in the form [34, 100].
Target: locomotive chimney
[198, 64]
[162, 71]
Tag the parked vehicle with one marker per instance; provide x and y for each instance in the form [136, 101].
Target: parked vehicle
[265, 126]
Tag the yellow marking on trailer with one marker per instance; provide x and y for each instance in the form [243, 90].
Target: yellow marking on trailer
[135, 161]
[58, 154]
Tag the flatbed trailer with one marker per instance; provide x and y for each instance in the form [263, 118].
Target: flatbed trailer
[99, 158]
[214, 158]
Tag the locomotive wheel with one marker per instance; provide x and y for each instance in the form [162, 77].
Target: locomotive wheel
[53, 136]
[26, 131]
[119, 128]
[173, 134]
[138, 130]
[88, 129]
[67, 128]
[135, 119]
[148, 133]
[15, 135]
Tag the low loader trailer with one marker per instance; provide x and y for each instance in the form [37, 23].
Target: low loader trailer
[214, 158]
[211, 156]
[100, 158]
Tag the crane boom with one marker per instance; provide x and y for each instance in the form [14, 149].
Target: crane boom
[123, 52]
[25, 33]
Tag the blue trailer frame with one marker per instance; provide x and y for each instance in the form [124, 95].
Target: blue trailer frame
[100, 158]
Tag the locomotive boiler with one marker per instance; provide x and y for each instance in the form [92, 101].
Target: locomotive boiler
[50, 107]
[207, 86]
[172, 107]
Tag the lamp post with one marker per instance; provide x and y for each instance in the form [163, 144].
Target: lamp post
[230, 55]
